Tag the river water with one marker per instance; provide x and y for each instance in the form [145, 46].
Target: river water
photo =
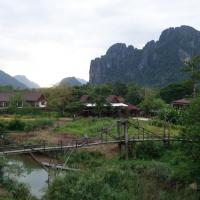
[31, 173]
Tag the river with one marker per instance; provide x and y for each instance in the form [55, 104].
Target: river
[32, 174]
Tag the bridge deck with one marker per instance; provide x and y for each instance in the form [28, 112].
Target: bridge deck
[85, 145]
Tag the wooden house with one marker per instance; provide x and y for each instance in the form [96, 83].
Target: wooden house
[181, 103]
[115, 105]
[35, 99]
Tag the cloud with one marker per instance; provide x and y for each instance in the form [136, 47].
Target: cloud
[48, 40]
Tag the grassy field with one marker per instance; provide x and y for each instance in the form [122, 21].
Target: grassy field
[93, 127]
[89, 126]
[34, 130]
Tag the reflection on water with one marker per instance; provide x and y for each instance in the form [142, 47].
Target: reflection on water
[32, 174]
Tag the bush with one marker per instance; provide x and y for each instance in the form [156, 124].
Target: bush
[86, 158]
[156, 123]
[114, 183]
[171, 115]
[37, 124]
[16, 125]
[149, 150]
[25, 125]
[152, 105]
[2, 127]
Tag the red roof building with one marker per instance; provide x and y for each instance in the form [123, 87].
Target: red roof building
[180, 103]
[115, 99]
[85, 99]
[133, 107]
[36, 99]
[133, 110]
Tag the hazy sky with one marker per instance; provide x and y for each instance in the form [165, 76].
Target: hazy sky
[47, 40]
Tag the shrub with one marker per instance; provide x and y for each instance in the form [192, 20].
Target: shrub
[37, 124]
[16, 125]
[86, 158]
[156, 123]
[149, 149]
[171, 115]
[2, 127]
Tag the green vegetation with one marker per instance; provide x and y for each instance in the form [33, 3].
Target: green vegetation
[176, 91]
[152, 105]
[17, 124]
[90, 126]
[119, 179]
[93, 127]
[193, 69]
[155, 170]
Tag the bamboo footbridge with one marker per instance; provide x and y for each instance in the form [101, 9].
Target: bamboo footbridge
[104, 137]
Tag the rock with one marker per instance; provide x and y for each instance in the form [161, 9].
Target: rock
[157, 64]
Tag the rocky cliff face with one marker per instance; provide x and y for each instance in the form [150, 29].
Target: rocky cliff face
[157, 64]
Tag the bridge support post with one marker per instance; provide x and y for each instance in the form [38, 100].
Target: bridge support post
[44, 145]
[166, 135]
[120, 148]
[143, 134]
[126, 139]
[118, 136]
[61, 145]
[118, 129]
[101, 136]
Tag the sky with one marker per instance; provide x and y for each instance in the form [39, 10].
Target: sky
[47, 40]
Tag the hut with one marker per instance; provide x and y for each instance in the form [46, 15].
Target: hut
[181, 103]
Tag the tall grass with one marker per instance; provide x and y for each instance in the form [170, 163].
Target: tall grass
[90, 126]
[93, 126]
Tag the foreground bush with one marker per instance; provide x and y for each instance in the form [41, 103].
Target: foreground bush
[149, 150]
[125, 181]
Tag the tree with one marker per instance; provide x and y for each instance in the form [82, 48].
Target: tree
[58, 97]
[152, 105]
[176, 91]
[15, 102]
[78, 91]
[134, 94]
[101, 90]
[99, 95]
[191, 131]
[119, 89]
[74, 108]
[193, 68]
[172, 115]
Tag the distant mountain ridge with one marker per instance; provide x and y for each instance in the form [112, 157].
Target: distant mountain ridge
[82, 80]
[6, 79]
[23, 79]
[157, 64]
[73, 81]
